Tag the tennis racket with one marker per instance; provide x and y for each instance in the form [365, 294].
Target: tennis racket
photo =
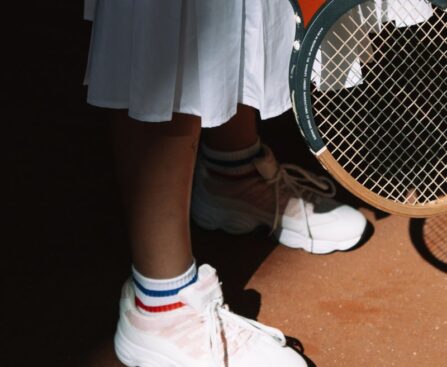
[368, 82]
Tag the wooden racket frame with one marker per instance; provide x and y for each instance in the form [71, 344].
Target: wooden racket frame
[314, 19]
[349, 183]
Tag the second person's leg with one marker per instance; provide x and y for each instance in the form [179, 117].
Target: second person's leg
[239, 185]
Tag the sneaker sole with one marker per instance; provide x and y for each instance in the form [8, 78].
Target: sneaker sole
[212, 217]
[319, 247]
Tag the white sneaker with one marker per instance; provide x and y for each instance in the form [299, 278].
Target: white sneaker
[293, 202]
[203, 333]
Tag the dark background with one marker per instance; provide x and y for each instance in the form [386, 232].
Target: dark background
[64, 229]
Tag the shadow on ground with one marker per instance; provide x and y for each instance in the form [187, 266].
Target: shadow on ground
[432, 248]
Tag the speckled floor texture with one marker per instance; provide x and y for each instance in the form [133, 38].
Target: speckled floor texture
[65, 252]
[380, 305]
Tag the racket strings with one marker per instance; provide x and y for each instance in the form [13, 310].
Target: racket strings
[385, 122]
[390, 77]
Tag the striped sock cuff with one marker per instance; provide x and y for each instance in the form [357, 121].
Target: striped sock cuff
[234, 163]
[160, 295]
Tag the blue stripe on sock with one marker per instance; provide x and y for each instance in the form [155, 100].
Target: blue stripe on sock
[240, 162]
[170, 292]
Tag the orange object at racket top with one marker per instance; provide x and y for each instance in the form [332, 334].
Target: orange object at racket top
[309, 8]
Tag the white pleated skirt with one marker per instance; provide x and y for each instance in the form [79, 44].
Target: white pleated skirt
[200, 57]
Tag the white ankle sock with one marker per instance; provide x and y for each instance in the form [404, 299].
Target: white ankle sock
[161, 295]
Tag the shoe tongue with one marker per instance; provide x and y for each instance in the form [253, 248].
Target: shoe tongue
[205, 290]
[267, 166]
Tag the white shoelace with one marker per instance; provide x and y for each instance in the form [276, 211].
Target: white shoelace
[299, 186]
[217, 315]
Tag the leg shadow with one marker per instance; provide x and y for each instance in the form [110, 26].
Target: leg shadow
[433, 250]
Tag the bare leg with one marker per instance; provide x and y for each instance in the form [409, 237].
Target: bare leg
[156, 163]
[238, 133]
[155, 166]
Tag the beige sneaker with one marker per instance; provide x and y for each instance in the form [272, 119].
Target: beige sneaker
[294, 203]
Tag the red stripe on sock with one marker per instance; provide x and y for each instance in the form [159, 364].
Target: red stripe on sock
[164, 308]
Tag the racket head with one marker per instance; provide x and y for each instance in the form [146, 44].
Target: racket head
[409, 178]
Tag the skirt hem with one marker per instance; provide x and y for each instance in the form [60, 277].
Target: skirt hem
[220, 120]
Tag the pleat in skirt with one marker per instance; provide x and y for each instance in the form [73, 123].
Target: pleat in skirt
[199, 57]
